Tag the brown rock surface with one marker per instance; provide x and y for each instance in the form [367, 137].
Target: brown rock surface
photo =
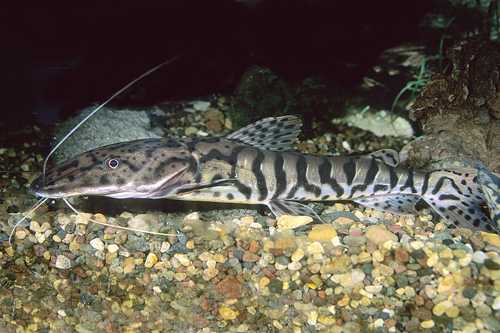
[460, 113]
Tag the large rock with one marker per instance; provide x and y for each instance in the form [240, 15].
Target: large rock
[460, 113]
[105, 127]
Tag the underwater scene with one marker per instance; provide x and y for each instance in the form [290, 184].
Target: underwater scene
[275, 185]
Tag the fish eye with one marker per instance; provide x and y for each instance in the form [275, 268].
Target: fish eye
[112, 163]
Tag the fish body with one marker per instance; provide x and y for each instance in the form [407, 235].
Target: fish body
[253, 166]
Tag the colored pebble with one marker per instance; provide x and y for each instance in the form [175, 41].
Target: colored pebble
[63, 262]
[322, 232]
[151, 259]
[97, 244]
[292, 222]
[440, 308]
[315, 248]
[379, 235]
[227, 314]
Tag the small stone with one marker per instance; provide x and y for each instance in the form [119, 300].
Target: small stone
[20, 234]
[427, 324]
[212, 113]
[219, 257]
[378, 256]
[209, 273]
[112, 248]
[315, 248]
[430, 291]
[74, 246]
[491, 265]
[417, 245]
[143, 222]
[479, 257]
[201, 105]
[250, 257]
[354, 241]
[83, 218]
[496, 304]
[34, 226]
[285, 243]
[483, 310]
[200, 322]
[297, 255]
[453, 312]
[373, 289]
[402, 255]
[291, 222]
[62, 262]
[410, 292]
[227, 314]
[191, 130]
[97, 244]
[229, 287]
[45, 226]
[422, 313]
[379, 322]
[183, 259]
[242, 328]
[254, 247]
[469, 293]
[40, 237]
[440, 308]
[322, 232]
[493, 239]
[433, 260]
[460, 300]
[379, 236]
[214, 125]
[447, 286]
[275, 286]
[293, 266]
[312, 317]
[389, 323]
[151, 259]
[447, 253]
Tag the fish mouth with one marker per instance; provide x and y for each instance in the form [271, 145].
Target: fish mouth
[39, 188]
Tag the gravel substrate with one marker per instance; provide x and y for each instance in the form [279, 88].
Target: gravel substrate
[364, 270]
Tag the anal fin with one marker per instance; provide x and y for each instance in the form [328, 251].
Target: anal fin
[281, 207]
[401, 204]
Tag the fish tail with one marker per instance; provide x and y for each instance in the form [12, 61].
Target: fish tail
[454, 193]
[489, 183]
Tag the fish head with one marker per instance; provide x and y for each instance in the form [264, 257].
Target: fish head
[150, 168]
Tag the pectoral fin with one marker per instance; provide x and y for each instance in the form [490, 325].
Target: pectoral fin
[281, 207]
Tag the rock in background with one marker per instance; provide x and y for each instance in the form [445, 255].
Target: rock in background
[105, 127]
[460, 113]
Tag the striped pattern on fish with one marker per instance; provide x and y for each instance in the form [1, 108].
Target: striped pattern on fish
[253, 166]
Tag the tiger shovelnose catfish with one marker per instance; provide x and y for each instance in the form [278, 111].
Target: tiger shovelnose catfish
[253, 166]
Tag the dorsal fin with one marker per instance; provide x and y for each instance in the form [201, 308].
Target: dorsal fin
[269, 133]
[388, 156]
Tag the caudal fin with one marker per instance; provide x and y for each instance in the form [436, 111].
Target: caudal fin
[454, 193]
[490, 185]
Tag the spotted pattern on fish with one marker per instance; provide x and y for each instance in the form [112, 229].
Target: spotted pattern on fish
[254, 165]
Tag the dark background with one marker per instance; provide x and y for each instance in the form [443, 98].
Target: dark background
[59, 56]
